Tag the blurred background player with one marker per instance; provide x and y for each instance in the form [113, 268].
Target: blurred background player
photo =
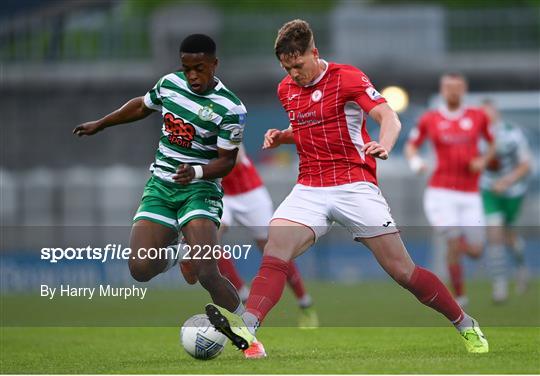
[452, 202]
[504, 185]
[247, 203]
[327, 105]
[203, 124]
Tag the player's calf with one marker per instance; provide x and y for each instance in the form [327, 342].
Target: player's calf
[145, 270]
[221, 289]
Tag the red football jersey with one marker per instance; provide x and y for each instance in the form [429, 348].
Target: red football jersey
[243, 178]
[455, 137]
[328, 119]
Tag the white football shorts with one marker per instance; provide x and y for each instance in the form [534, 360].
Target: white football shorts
[455, 213]
[252, 210]
[359, 207]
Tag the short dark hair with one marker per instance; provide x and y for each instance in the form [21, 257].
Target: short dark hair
[294, 38]
[198, 43]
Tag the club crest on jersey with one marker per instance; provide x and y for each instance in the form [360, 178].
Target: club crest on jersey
[465, 124]
[373, 93]
[206, 113]
[316, 96]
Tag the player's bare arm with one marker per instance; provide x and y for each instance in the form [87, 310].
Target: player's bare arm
[275, 137]
[390, 128]
[241, 155]
[518, 173]
[217, 168]
[133, 110]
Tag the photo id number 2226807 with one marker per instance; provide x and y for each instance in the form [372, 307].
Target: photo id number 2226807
[207, 252]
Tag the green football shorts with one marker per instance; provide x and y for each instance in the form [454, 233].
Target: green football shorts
[501, 210]
[174, 205]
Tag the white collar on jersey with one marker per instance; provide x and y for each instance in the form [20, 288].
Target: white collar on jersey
[451, 115]
[320, 76]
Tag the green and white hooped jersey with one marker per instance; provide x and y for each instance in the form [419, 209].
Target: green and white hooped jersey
[512, 149]
[194, 125]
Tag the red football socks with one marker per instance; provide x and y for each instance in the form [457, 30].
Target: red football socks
[455, 272]
[228, 270]
[429, 290]
[294, 279]
[267, 286]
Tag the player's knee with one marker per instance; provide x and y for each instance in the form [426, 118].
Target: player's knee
[402, 275]
[140, 271]
[277, 249]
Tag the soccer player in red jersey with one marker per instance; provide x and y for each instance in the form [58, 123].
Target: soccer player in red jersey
[247, 203]
[452, 201]
[327, 105]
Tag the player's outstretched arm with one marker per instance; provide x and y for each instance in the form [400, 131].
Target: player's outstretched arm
[216, 168]
[518, 173]
[133, 110]
[390, 128]
[274, 137]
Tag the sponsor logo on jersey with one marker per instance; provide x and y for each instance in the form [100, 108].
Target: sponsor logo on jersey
[443, 125]
[373, 93]
[206, 113]
[316, 96]
[310, 118]
[291, 115]
[180, 132]
[293, 96]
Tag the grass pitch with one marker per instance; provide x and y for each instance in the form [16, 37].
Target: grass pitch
[354, 348]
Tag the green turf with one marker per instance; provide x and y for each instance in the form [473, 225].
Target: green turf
[326, 350]
[368, 304]
[392, 346]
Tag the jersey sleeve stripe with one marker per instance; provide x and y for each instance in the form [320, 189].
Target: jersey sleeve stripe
[148, 103]
[154, 97]
[224, 143]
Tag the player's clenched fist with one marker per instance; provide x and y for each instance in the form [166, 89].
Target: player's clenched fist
[184, 174]
[87, 129]
[375, 149]
[271, 138]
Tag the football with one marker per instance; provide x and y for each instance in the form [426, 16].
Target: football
[200, 339]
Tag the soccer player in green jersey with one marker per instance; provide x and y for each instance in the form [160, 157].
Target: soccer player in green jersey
[202, 128]
[503, 185]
